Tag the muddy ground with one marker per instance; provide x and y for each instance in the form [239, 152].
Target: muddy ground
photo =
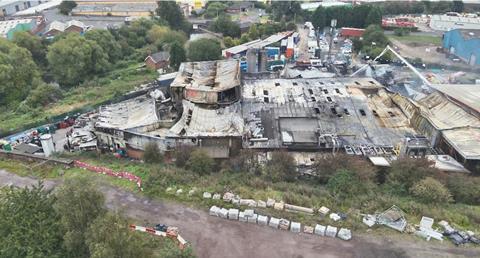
[215, 237]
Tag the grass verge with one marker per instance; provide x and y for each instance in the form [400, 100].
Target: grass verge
[436, 40]
[302, 192]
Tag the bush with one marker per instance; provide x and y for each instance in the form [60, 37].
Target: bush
[152, 153]
[200, 163]
[327, 165]
[246, 161]
[181, 155]
[465, 189]
[401, 32]
[204, 50]
[43, 95]
[405, 173]
[281, 167]
[430, 190]
[344, 184]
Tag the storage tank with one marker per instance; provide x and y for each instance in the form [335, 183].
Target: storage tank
[47, 144]
[262, 60]
[251, 60]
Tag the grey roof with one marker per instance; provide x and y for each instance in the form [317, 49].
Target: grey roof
[27, 148]
[467, 94]
[160, 56]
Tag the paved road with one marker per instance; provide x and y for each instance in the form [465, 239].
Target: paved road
[214, 237]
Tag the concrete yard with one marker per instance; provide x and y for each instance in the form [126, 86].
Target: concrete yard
[214, 237]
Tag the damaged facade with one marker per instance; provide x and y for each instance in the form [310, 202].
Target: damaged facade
[210, 105]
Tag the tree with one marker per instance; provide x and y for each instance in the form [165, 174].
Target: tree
[319, 18]
[291, 26]
[465, 189]
[18, 73]
[325, 167]
[253, 32]
[374, 16]
[74, 59]
[229, 42]
[457, 6]
[214, 9]
[285, 9]
[204, 50]
[43, 95]
[281, 167]
[79, 203]
[177, 55]
[109, 236]
[226, 26]
[32, 43]
[405, 173]
[172, 14]
[163, 36]
[66, 7]
[374, 36]
[107, 42]
[430, 190]
[152, 153]
[28, 223]
[344, 184]
[200, 163]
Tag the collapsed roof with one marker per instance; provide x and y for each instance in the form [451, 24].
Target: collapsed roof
[140, 111]
[208, 75]
[198, 121]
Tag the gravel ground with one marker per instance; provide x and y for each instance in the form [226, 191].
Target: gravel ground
[215, 237]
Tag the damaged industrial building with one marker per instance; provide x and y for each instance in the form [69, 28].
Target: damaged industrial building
[212, 105]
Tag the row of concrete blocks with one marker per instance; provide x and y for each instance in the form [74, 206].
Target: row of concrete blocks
[250, 216]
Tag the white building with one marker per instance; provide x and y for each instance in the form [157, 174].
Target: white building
[446, 23]
[10, 7]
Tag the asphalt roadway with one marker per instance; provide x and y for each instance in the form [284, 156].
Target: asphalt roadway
[214, 237]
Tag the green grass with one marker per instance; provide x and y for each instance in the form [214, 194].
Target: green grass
[302, 192]
[437, 40]
[90, 94]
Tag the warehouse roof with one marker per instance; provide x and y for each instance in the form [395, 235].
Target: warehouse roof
[465, 140]
[257, 43]
[444, 114]
[466, 94]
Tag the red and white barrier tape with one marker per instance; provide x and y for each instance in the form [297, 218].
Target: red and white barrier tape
[181, 241]
[109, 172]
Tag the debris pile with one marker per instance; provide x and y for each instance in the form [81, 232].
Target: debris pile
[458, 237]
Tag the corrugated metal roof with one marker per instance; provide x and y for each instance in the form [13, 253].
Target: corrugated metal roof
[467, 94]
[444, 114]
[258, 43]
[465, 140]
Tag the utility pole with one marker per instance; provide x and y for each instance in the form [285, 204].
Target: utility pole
[333, 24]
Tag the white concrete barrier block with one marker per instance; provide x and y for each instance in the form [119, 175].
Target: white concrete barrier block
[320, 230]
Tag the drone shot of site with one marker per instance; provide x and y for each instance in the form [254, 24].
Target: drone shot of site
[225, 129]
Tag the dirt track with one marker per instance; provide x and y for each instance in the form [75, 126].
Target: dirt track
[214, 237]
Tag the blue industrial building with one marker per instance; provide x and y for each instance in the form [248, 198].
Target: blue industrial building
[465, 44]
